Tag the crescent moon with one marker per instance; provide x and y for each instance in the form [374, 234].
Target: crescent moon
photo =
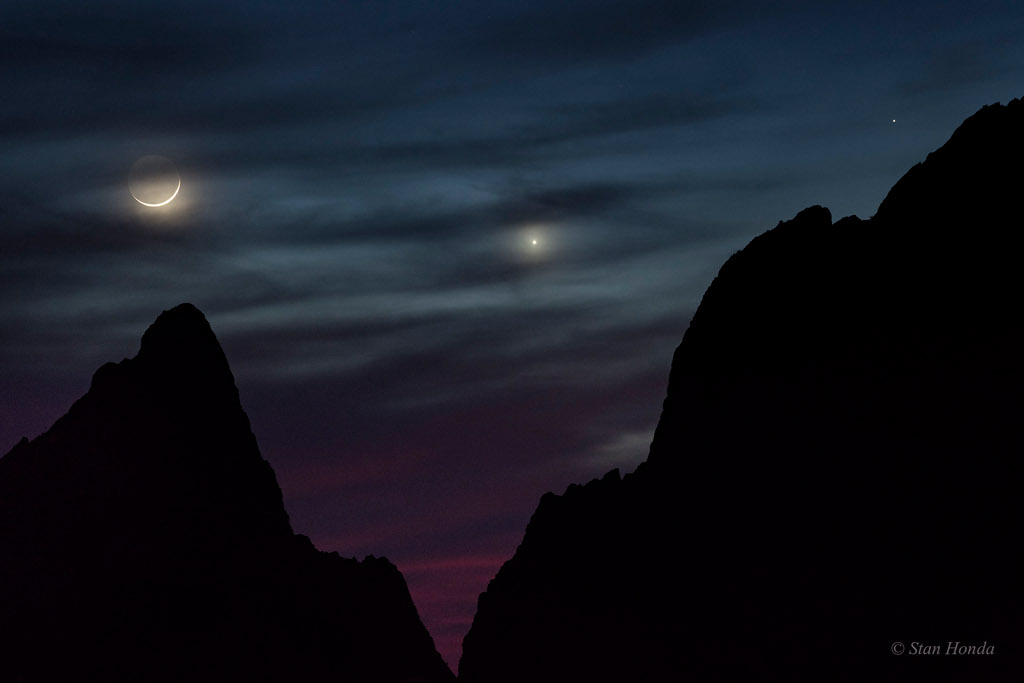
[166, 201]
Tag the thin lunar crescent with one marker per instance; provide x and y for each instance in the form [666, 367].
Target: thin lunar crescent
[154, 181]
[166, 201]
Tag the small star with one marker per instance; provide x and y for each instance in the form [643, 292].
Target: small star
[894, 120]
[535, 241]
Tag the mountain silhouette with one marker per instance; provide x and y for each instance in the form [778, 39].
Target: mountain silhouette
[143, 538]
[834, 483]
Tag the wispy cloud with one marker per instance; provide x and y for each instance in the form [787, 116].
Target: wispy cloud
[358, 180]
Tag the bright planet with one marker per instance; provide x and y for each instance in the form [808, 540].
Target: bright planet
[154, 180]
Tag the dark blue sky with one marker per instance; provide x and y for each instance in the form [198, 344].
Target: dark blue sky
[361, 186]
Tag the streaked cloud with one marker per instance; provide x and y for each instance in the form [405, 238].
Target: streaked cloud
[357, 179]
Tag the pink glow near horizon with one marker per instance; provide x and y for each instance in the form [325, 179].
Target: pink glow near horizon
[445, 591]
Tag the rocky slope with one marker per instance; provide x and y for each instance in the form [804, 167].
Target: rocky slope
[836, 468]
[144, 538]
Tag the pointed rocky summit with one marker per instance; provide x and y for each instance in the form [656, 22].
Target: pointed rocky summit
[144, 538]
[834, 483]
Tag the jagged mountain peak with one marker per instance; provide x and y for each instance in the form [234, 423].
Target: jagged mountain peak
[182, 330]
[836, 466]
[145, 538]
[181, 345]
[965, 177]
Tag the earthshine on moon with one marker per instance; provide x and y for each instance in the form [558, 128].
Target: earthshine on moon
[154, 181]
